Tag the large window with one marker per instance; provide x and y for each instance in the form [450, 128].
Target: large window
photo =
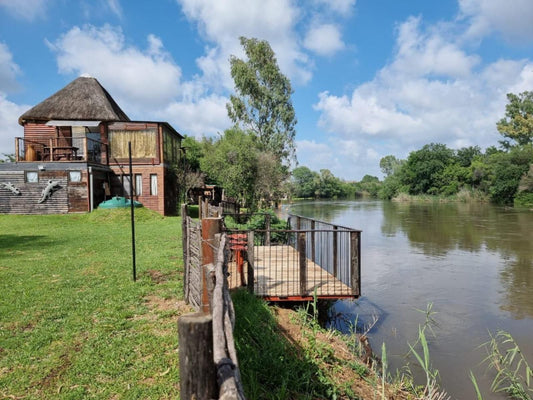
[143, 142]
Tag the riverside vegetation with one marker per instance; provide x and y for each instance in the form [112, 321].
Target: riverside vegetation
[75, 325]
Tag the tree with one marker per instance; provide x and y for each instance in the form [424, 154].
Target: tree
[232, 163]
[6, 158]
[423, 169]
[390, 164]
[263, 104]
[305, 182]
[518, 122]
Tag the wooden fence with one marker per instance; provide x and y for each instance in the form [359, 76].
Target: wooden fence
[208, 359]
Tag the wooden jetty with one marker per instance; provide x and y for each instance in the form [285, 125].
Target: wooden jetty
[317, 259]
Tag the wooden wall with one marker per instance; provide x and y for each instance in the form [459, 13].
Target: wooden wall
[71, 197]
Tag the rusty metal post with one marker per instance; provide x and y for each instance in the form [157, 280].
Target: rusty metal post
[313, 240]
[303, 263]
[210, 227]
[267, 227]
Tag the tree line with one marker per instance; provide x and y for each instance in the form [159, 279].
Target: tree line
[252, 160]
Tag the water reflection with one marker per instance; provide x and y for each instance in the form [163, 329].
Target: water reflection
[438, 229]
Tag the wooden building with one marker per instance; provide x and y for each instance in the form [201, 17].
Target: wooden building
[74, 155]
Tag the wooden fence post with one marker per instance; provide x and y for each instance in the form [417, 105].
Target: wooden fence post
[303, 263]
[197, 370]
[210, 227]
[267, 227]
[250, 258]
[355, 263]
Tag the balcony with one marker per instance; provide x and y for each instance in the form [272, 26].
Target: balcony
[58, 149]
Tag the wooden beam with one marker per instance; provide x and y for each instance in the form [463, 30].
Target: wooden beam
[197, 369]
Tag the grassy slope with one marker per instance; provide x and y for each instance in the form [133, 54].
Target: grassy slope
[73, 324]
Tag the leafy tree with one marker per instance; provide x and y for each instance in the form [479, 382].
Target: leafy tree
[466, 155]
[193, 152]
[232, 163]
[329, 185]
[390, 164]
[506, 170]
[305, 182]
[269, 180]
[423, 169]
[263, 104]
[518, 122]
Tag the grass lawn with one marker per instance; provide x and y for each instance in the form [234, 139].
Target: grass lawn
[73, 324]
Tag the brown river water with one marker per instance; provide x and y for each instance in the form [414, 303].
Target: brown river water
[472, 262]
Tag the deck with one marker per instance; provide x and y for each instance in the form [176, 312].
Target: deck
[278, 276]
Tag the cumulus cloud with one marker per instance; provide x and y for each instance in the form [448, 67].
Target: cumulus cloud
[223, 22]
[9, 113]
[148, 77]
[145, 82]
[325, 40]
[8, 70]
[25, 9]
[511, 20]
[432, 90]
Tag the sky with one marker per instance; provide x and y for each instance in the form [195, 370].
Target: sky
[370, 77]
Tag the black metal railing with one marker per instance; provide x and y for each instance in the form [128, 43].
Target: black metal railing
[48, 148]
[315, 259]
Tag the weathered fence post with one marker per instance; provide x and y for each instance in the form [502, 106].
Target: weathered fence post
[197, 370]
[303, 263]
[210, 227]
[355, 263]
[250, 258]
[267, 227]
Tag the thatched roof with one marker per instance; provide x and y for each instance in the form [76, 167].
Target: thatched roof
[82, 99]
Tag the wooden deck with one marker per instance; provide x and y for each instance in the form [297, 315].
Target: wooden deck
[277, 276]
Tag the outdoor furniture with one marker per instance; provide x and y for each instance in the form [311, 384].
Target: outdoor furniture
[237, 243]
[58, 153]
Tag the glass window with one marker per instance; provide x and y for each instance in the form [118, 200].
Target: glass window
[138, 184]
[153, 184]
[32, 176]
[126, 184]
[74, 176]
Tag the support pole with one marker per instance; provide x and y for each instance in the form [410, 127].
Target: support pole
[210, 227]
[250, 258]
[132, 218]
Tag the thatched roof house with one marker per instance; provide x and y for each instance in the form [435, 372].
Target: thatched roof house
[82, 99]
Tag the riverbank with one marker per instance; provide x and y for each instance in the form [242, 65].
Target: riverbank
[463, 196]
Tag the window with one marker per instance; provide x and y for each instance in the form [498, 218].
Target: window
[153, 184]
[32, 176]
[126, 185]
[74, 176]
[138, 184]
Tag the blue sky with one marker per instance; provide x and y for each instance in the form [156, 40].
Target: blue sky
[370, 77]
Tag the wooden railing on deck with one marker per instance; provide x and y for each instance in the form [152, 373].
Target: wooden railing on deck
[48, 148]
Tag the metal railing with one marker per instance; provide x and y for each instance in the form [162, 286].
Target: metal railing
[311, 258]
[48, 148]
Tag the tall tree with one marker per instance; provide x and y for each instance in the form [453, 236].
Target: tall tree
[518, 122]
[262, 104]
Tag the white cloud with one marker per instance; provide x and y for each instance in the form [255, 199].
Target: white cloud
[342, 7]
[25, 9]
[139, 78]
[145, 82]
[511, 19]
[9, 113]
[431, 91]
[223, 22]
[325, 40]
[204, 117]
[8, 70]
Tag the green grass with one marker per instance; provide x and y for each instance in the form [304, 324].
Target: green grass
[73, 324]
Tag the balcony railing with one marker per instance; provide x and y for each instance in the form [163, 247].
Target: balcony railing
[69, 149]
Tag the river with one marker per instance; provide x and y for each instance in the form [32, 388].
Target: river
[472, 262]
